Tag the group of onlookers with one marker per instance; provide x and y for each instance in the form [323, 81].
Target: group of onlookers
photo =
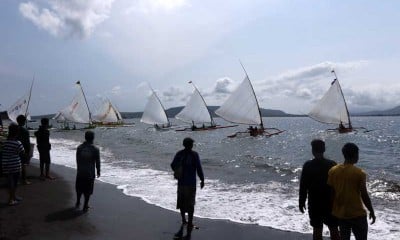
[337, 194]
[16, 152]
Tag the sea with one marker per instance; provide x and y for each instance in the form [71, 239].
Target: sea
[251, 180]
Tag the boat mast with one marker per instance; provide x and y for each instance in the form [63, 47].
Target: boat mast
[152, 90]
[87, 105]
[345, 104]
[195, 88]
[258, 106]
[29, 100]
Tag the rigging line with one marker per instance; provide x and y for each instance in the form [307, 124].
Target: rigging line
[87, 105]
[258, 106]
[345, 104]
[158, 99]
[208, 110]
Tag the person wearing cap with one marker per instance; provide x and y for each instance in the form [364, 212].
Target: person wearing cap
[189, 161]
[87, 161]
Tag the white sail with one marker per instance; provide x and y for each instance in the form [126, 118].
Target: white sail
[154, 112]
[241, 106]
[331, 108]
[106, 112]
[77, 111]
[195, 110]
[20, 107]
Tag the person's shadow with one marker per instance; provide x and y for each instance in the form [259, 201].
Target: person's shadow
[64, 215]
[179, 235]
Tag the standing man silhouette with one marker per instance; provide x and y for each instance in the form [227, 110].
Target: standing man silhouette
[189, 162]
[313, 184]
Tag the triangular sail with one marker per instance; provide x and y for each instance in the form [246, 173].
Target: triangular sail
[154, 112]
[78, 110]
[196, 110]
[241, 106]
[331, 108]
[106, 112]
[20, 107]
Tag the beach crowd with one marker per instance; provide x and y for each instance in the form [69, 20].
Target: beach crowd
[336, 194]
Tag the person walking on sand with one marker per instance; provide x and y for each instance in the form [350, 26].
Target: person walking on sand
[313, 184]
[350, 195]
[87, 161]
[12, 153]
[24, 138]
[186, 164]
[43, 145]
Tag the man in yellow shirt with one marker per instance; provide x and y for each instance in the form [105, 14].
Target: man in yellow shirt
[350, 195]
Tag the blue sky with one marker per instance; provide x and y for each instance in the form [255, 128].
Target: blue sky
[114, 46]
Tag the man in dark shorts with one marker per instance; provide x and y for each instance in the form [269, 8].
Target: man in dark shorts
[189, 161]
[43, 145]
[349, 185]
[24, 138]
[313, 183]
[87, 161]
[12, 152]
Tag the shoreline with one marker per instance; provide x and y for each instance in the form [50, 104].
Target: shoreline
[47, 211]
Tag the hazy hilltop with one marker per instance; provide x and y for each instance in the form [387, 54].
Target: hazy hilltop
[172, 112]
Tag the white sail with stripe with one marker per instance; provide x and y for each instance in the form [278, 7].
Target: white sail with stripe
[78, 110]
[106, 112]
[20, 107]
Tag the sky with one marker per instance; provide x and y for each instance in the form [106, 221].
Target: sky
[116, 48]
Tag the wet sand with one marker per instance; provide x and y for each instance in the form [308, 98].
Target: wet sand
[47, 212]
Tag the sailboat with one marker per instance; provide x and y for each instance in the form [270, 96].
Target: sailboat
[196, 111]
[107, 114]
[332, 108]
[154, 113]
[21, 106]
[78, 110]
[242, 107]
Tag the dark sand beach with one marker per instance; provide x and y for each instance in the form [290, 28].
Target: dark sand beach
[47, 212]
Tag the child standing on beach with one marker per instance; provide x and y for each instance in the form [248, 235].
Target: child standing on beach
[12, 153]
[43, 145]
[350, 195]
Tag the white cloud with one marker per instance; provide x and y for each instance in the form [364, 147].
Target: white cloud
[153, 6]
[67, 18]
[172, 93]
[116, 90]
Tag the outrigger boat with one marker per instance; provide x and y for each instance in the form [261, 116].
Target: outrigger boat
[332, 109]
[196, 112]
[154, 113]
[242, 107]
[107, 114]
[78, 110]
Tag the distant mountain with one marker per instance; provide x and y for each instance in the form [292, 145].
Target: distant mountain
[172, 112]
[389, 112]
